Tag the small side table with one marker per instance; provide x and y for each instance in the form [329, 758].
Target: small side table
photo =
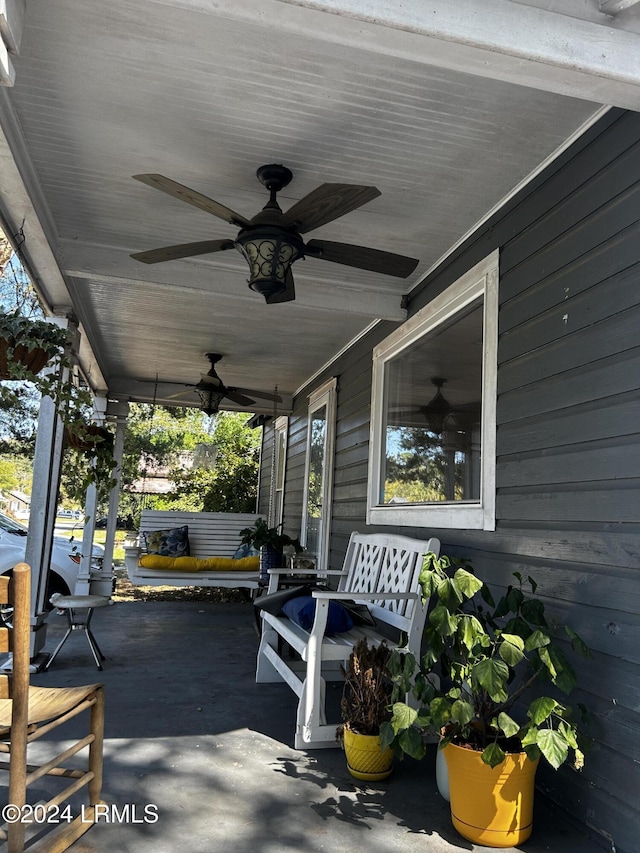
[70, 604]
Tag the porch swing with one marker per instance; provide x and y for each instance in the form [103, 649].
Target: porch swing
[181, 549]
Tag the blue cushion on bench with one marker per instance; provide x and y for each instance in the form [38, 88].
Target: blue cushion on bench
[302, 611]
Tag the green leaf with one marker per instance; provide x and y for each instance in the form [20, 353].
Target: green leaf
[493, 755]
[387, 735]
[411, 742]
[565, 676]
[492, 675]
[502, 608]
[429, 582]
[467, 583]
[469, 630]
[485, 593]
[514, 599]
[518, 626]
[402, 716]
[511, 649]
[541, 709]
[577, 644]
[508, 725]
[553, 746]
[533, 611]
[534, 585]
[440, 710]
[537, 640]
[462, 712]
[533, 752]
[445, 622]
[449, 594]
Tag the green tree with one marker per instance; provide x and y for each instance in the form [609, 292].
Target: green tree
[231, 484]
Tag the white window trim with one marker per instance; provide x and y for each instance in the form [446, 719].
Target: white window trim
[482, 280]
[325, 395]
[276, 515]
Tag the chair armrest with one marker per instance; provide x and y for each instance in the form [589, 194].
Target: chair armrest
[369, 596]
[295, 572]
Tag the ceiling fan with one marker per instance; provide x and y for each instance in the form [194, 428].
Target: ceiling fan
[271, 241]
[438, 414]
[212, 390]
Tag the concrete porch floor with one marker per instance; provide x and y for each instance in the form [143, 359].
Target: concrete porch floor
[189, 732]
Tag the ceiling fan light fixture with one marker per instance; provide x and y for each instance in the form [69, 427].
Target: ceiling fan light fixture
[210, 397]
[270, 253]
[438, 408]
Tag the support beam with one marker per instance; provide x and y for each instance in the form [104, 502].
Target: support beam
[612, 7]
[498, 39]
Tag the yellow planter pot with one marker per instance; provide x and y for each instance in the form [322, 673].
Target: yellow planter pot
[365, 759]
[491, 806]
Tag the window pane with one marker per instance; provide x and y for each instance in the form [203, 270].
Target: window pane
[432, 415]
[317, 447]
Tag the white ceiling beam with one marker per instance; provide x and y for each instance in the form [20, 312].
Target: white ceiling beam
[612, 7]
[25, 217]
[498, 39]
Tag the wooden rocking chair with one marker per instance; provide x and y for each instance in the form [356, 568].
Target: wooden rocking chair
[27, 713]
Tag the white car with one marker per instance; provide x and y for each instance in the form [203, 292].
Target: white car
[65, 556]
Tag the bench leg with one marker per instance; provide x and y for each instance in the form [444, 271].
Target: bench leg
[265, 670]
[312, 711]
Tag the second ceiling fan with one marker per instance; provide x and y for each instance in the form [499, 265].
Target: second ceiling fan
[272, 240]
[212, 390]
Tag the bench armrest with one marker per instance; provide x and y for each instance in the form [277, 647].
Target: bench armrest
[370, 596]
[292, 573]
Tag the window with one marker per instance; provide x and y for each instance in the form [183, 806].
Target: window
[433, 418]
[316, 515]
[276, 513]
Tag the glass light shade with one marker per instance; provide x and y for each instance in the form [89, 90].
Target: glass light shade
[270, 252]
[210, 397]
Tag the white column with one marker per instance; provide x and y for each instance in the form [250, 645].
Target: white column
[101, 583]
[83, 580]
[47, 466]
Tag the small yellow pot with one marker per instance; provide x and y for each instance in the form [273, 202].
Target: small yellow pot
[491, 806]
[365, 759]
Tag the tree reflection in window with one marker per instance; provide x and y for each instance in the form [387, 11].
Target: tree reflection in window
[433, 405]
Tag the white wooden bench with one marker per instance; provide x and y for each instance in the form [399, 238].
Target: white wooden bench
[211, 534]
[380, 571]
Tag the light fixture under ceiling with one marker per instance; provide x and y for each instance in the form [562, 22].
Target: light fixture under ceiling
[438, 408]
[210, 397]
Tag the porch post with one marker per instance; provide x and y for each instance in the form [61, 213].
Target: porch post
[103, 583]
[47, 465]
[83, 579]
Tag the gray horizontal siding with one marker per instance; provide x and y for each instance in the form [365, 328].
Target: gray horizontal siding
[568, 441]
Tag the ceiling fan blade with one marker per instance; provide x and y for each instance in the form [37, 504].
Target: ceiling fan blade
[193, 197]
[185, 394]
[261, 395]
[182, 250]
[238, 398]
[286, 295]
[326, 203]
[363, 258]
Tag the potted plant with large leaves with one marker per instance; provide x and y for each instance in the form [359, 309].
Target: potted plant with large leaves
[268, 542]
[365, 706]
[499, 706]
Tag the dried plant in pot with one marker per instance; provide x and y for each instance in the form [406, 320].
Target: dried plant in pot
[499, 708]
[365, 708]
